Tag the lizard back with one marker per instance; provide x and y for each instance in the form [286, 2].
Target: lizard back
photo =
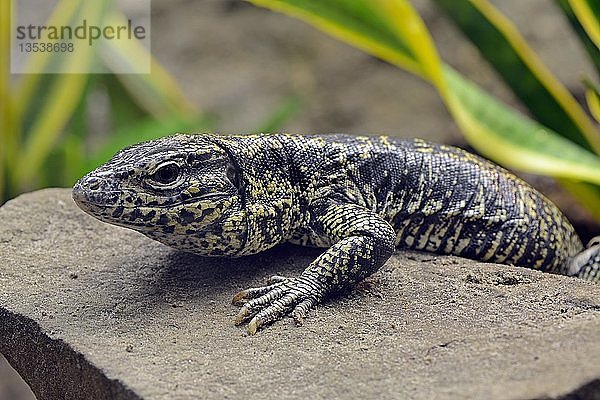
[439, 199]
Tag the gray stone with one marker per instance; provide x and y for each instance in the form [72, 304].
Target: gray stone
[89, 310]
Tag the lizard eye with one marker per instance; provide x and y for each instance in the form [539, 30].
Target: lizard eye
[166, 174]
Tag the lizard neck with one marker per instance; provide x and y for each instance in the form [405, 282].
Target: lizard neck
[269, 195]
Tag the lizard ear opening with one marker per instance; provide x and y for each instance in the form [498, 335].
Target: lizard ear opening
[234, 177]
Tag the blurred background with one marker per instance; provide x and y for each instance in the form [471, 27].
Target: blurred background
[230, 66]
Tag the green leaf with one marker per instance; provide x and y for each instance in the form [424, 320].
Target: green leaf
[592, 96]
[588, 14]
[72, 154]
[588, 44]
[388, 29]
[502, 45]
[157, 92]
[587, 194]
[63, 14]
[123, 107]
[514, 140]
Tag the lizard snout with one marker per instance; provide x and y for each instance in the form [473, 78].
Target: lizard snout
[94, 190]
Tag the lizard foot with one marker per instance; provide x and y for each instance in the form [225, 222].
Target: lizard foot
[586, 265]
[266, 304]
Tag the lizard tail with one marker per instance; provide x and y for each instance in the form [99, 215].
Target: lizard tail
[586, 265]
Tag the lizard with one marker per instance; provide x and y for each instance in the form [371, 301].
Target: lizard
[359, 197]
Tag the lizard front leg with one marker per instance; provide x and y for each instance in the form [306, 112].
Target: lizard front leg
[362, 242]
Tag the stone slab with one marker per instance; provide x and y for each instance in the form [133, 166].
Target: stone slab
[93, 311]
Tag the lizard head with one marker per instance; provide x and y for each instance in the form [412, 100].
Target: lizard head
[168, 188]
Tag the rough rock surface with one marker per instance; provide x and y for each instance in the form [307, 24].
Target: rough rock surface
[89, 310]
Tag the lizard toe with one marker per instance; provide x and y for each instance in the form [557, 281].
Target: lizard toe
[277, 279]
[253, 306]
[302, 309]
[253, 293]
[294, 295]
[273, 312]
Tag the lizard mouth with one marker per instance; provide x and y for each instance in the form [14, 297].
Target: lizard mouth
[116, 208]
[87, 199]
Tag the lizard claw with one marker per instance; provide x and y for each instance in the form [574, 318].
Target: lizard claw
[268, 304]
[242, 297]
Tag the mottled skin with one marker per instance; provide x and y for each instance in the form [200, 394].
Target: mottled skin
[360, 197]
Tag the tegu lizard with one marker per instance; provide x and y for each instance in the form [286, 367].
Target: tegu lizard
[361, 198]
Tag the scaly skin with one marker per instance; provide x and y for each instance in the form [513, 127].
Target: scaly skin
[360, 197]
